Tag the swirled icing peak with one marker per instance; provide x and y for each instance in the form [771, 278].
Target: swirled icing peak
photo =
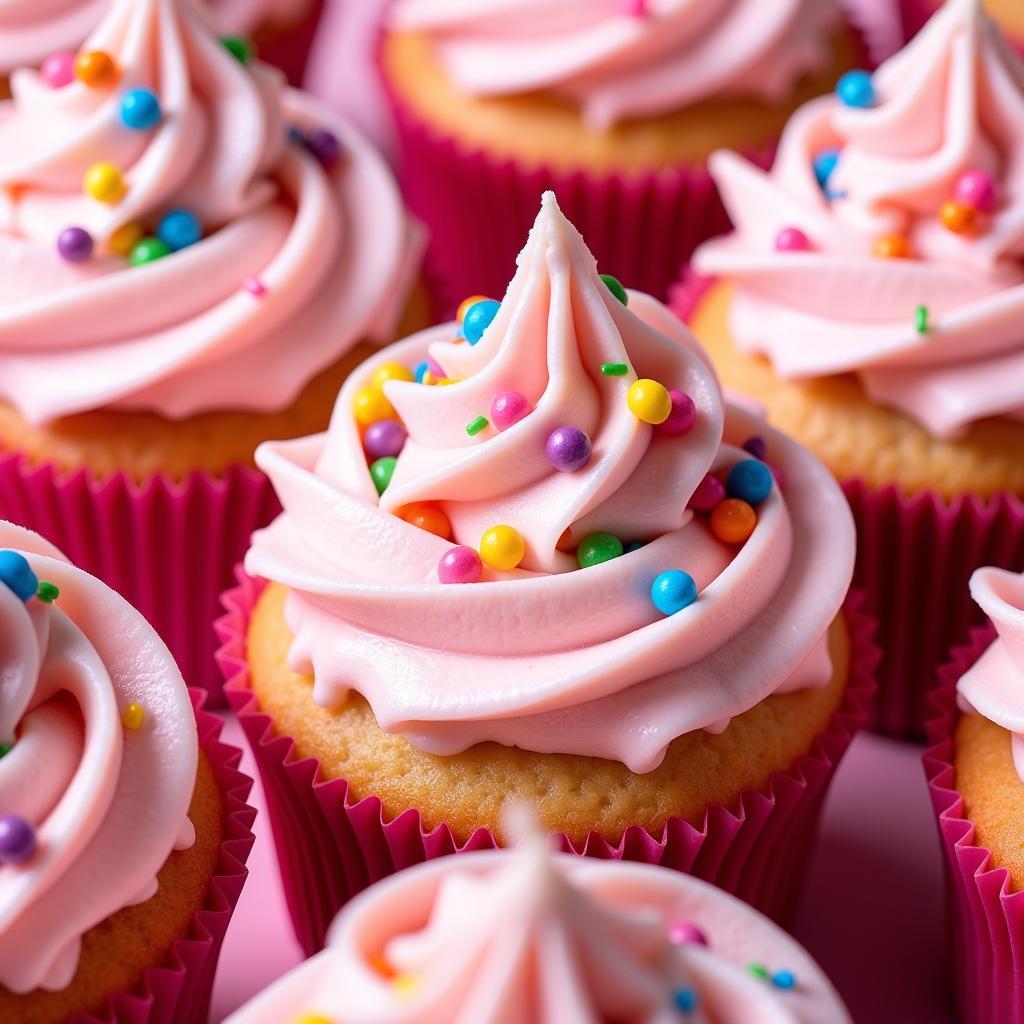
[530, 937]
[98, 754]
[572, 467]
[174, 219]
[994, 687]
[888, 238]
[621, 58]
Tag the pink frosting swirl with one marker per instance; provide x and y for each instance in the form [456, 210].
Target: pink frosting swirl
[994, 686]
[618, 64]
[541, 656]
[96, 794]
[524, 935]
[950, 103]
[184, 334]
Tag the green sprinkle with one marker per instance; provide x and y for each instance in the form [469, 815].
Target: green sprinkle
[921, 319]
[382, 470]
[758, 971]
[614, 369]
[239, 48]
[147, 250]
[614, 285]
[596, 548]
[5, 749]
[475, 426]
[48, 592]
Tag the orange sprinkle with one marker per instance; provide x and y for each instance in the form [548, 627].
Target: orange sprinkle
[733, 521]
[960, 218]
[891, 247]
[429, 518]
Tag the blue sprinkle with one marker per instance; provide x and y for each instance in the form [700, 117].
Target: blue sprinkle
[855, 89]
[749, 480]
[824, 164]
[784, 979]
[672, 591]
[179, 229]
[685, 1000]
[140, 109]
[17, 574]
[478, 318]
[422, 369]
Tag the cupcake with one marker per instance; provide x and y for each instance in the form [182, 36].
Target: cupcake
[570, 582]
[193, 259]
[616, 105]
[526, 935]
[870, 300]
[1008, 13]
[123, 824]
[976, 775]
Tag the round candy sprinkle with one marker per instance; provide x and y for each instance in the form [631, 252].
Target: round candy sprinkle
[133, 717]
[709, 493]
[733, 521]
[855, 89]
[685, 1000]
[58, 70]
[756, 446]
[239, 48]
[324, 146]
[17, 840]
[568, 449]
[459, 565]
[682, 417]
[672, 591]
[75, 244]
[614, 285]
[370, 405]
[784, 980]
[686, 933]
[977, 189]
[179, 229]
[104, 182]
[502, 547]
[125, 238]
[507, 408]
[148, 250]
[95, 69]
[958, 217]
[382, 470]
[596, 548]
[476, 425]
[429, 518]
[391, 371]
[140, 109]
[255, 287]
[891, 247]
[792, 240]
[384, 437]
[422, 369]
[312, 1018]
[649, 401]
[824, 164]
[634, 545]
[750, 481]
[17, 574]
[47, 592]
[466, 304]
[478, 318]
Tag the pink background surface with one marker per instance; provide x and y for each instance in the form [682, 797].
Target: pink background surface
[873, 913]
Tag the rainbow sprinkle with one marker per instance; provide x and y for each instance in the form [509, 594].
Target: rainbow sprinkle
[475, 426]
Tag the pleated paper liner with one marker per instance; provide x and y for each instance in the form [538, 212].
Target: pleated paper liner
[177, 991]
[168, 547]
[986, 913]
[915, 556]
[331, 845]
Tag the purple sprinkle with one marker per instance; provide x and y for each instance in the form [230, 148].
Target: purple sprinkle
[324, 145]
[709, 494]
[17, 840]
[384, 438]
[75, 245]
[568, 449]
[756, 446]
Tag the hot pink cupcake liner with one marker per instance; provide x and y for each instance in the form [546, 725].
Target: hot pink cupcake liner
[288, 46]
[178, 990]
[168, 548]
[331, 845]
[915, 556]
[986, 914]
[914, 13]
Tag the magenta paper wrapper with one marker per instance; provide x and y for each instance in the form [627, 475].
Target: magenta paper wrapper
[178, 990]
[986, 915]
[168, 548]
[330, 847]
[914, 13]
[288, 46]
[915, 556]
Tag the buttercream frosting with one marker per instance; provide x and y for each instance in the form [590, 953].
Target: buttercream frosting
[108, 804]
[528, 937]
[329, 248]
[994, 686]
[951, 103]
[618, 59]
[547, 656]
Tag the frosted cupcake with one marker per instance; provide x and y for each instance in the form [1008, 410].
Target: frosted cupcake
[870, 298]
[193, 258]
[614, 105]
[569, 581]
[529, 936]
[976, 774]
[123, 827]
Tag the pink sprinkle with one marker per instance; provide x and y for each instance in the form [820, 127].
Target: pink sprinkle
[684, 933]
[683, 415]
[58, 70]
[460, 564]
[507, 408]
[709, 494]
[977, 189]
[634, 8]
[254, 286]
[792, 240]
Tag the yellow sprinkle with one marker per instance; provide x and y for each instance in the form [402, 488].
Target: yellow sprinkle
[406, 986]
[370, 405]
[314, 1018]
[447, 380]
[125, 238]
[391, 371]
[105, 183]
[428, 378]
[133, 716]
